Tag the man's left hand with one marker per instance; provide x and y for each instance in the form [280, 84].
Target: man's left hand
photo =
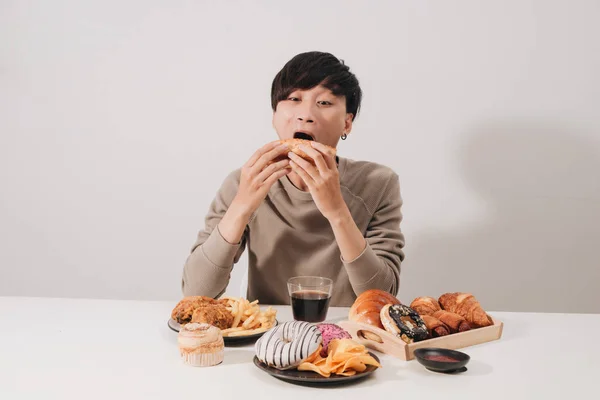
[322, 179]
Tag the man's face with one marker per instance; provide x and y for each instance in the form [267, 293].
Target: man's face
[315, 114]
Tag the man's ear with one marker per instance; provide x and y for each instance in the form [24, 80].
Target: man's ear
[348, 123]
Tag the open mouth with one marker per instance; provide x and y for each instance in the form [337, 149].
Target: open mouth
[302, 135]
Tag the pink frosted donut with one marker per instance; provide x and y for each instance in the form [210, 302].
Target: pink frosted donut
[330, 332]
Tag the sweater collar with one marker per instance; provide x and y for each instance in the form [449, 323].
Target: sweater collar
[298, 194]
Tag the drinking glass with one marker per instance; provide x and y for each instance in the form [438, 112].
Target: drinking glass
[310, 296]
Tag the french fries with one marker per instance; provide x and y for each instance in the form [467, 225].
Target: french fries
[248, 319]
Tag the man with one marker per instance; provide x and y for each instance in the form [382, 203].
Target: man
[332, 217]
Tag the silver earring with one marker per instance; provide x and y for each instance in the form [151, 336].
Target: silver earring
[344, 136]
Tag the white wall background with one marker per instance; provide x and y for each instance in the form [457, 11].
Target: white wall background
[119, 120]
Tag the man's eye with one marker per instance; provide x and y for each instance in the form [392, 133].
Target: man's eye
[293, 98]
[325, 103]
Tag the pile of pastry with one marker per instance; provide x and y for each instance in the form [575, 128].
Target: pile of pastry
[451, 313]
[425, 318]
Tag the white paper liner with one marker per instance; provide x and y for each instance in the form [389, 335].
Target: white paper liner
[203, 359]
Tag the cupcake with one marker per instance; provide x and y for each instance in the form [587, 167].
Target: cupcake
[200, 345]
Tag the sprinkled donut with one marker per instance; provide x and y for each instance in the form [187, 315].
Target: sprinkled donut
[329, 333]
[403, 322]
[287, 345]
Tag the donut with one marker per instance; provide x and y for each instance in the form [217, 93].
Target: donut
[403, 322]
[287, 345]
[330, 332]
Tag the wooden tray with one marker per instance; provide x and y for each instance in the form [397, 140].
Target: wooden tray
[384, 342]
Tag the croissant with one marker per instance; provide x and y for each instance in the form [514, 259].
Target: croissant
[425, 305]
[467, 306]
[455, 322]
[435, 327]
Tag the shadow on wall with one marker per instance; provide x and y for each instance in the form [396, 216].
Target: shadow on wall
[538, 246]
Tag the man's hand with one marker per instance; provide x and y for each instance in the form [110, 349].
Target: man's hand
[258, 175]
[322, 179]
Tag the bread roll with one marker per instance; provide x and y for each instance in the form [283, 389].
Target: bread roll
[294, 146]
[367, 307]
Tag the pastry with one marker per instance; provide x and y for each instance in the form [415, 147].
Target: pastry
[329, 333]
[455, 322]
[425, 305]
[200, 345]
[213, 314]
[367, 307]
[294, 146]
[403, 322]
[288, 345]
[435, 327]
[467, 306]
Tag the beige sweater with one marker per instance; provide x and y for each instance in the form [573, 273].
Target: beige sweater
[288, 236]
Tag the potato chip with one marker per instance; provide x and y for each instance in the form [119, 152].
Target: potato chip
[345, 357]
[314, 355]
[369, 360]
[354, 364]
[350, 372]
[315, 368]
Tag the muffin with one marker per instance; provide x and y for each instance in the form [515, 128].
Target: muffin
[200, 345]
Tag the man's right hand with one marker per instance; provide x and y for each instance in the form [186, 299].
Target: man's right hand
[256, 179]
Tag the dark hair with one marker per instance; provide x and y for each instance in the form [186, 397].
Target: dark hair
[307, 70]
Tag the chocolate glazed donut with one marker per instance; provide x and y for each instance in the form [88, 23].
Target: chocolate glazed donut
[403, 322]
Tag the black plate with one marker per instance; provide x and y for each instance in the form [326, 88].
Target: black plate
[311, 377]
[174, 325]
[442, 366]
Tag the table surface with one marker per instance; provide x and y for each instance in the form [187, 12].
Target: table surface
[104, 349]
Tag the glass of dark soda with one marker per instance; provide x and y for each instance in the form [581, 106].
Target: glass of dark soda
[310, 296]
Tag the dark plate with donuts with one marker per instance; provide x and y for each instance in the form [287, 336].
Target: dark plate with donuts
[312, 378]
[175, 326]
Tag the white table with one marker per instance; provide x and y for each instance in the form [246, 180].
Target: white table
[103, 349]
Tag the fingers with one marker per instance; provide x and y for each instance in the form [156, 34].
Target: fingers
[306, 166]
[271, 169]
[329, 158]
[267, 147]
[275, 176]
[267, 157]
[298, 169]
[322, 166]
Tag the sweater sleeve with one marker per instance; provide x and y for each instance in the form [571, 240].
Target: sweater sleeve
[208, 267]
[378, 266]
